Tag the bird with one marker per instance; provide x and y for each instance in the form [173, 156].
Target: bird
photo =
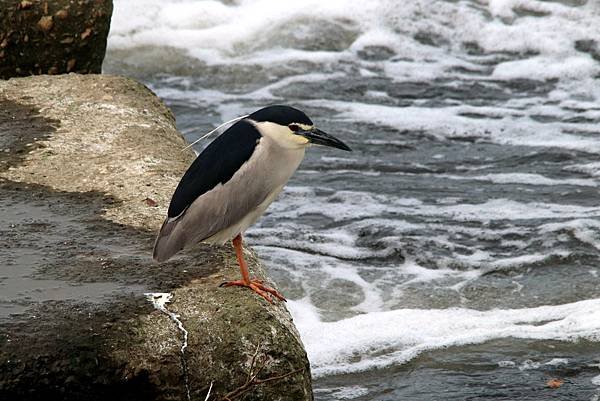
[233, 180]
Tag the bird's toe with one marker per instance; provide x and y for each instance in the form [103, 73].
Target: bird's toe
[258, 287]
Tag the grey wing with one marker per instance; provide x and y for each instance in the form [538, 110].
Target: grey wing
[222, 208]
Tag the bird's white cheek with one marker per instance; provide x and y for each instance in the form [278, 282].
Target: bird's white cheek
[289, 141]
[282, 135]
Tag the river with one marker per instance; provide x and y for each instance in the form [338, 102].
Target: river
[454, 254]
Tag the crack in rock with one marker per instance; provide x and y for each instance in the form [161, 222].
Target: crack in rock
[159, 301]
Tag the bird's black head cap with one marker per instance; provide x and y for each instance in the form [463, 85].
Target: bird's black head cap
[280, 114]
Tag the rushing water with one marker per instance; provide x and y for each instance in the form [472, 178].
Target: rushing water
[454, 255]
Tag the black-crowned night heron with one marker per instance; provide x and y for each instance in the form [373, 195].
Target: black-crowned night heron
[233, 181]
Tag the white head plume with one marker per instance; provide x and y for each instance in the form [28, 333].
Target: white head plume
[215, 130]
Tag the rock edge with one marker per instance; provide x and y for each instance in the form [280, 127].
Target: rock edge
[104, 151]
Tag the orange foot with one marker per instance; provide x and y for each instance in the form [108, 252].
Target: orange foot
[258, 287]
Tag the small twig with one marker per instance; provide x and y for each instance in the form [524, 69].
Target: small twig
[252, 379]
[249, 385]
[252, 362]
[260, 369]
[274, 378]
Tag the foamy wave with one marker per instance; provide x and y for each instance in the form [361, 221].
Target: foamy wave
[351, 205]
[591, 169]
[356, 344]
[447, 122]
[586, 231]
[524, 178]
[425, 37]
[346, 393]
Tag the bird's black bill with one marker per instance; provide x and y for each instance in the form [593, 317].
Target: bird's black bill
[318, 137]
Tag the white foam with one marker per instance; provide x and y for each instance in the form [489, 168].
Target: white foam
[339, 243]
[592, 169]
[547, 68]
[492, 263]
[505, 209]
[381, 339]
[529, 364]
[524, 178]
[585, 231]
[351, 205]
[557, 362]
[269, 31]
[218, 33]
[448, 122]
[349, 393]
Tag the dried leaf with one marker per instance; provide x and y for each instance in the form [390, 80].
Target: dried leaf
[555, 383]
[151, 202]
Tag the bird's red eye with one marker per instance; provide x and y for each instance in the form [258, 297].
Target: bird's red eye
[293, 127]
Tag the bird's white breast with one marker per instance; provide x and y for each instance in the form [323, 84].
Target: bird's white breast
[270, 167]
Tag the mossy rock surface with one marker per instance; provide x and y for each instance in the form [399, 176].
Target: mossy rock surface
[53, 37]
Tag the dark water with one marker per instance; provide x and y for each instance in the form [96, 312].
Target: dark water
[453, 255]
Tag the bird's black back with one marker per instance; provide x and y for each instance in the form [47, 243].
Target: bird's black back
[215, 165]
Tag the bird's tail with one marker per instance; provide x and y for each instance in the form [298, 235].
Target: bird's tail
[167, 241]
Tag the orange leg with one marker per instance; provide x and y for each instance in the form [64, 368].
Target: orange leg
[254, 284]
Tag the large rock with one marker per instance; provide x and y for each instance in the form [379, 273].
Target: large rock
[87, 166]
[52, 37]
